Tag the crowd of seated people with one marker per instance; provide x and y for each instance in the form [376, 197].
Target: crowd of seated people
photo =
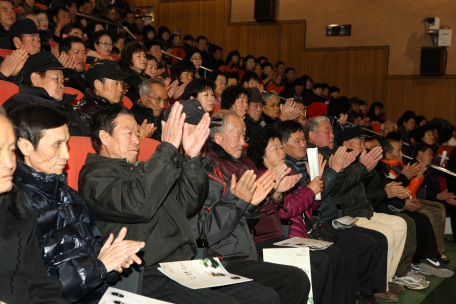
[230, 165]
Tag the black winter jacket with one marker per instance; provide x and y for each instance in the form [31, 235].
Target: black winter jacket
[69, 240]
[89, 105]
[222, 220]
[152, 199]
[142, 112]
[134, 82]
[38, 95]
[22, 275]
[252, 126]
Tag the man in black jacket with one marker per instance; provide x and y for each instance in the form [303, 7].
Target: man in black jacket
[153, 99]
[152, 199]
[22, 275]
[74, 47]
[70, 242]
[44, 76]
[7, 18]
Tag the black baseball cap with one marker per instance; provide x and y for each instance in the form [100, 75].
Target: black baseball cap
[24, 26]
[194, 112]
[105, 68]
[353, 132]
[188, 37]
[45, 61]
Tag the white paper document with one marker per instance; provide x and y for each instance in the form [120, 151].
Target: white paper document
[298, 257]
[344, 222]
[305, 243]
[312, 159]
[117, 296]
[198, 274]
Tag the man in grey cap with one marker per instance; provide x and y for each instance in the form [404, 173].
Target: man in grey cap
[24, 32]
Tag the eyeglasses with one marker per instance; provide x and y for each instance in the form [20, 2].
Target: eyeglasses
[164, 101]
[105, 43]
[199, 59]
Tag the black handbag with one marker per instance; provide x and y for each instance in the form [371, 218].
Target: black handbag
[319, 230]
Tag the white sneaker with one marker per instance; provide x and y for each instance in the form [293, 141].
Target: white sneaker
[416, 269]
[412, 281]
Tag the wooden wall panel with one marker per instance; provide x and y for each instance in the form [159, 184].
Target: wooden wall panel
[359, 72]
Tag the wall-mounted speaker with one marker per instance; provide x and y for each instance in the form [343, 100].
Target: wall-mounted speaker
[433, 61]
[265, 10]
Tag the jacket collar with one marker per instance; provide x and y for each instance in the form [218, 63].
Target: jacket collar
[219, 152]
[42, 93]
[95, 99]
[268, 119]
[393, 162]
[47, 183]
[325, 148]
[260, 121]
[139, 107]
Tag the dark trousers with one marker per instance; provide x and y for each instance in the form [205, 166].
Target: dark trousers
[372, 251]
[426, 244]
[328, 272]
[451, 212]
[158, 286]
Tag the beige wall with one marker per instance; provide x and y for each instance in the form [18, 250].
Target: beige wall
[394, 23]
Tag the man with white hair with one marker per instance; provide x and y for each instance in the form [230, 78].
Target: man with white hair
[388, 126]
[351, 195]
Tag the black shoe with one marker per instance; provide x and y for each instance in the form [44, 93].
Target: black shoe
[364, 298]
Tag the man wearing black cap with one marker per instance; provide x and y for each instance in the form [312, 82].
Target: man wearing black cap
[44, 75]
[105, 87]
[25, 32]
[188, 43]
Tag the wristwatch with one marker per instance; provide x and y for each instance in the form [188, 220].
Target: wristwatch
[192, 157]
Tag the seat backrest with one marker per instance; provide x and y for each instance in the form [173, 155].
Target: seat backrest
[7, 90]
[79, 147]
[225, 68]
[115, 57]
[127, 102]
[53, 44]
[73, 91]
[216, 108]
[271, 87]
[86, 67]
[41, 6]
[4, 52]
[377, 127]
[179, 53]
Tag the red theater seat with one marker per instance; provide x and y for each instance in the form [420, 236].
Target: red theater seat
[7, 90]
[72, 91]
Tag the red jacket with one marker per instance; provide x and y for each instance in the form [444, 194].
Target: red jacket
[296, 201]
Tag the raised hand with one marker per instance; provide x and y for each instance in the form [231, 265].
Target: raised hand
[192, 143]
[115, 255]
[321, 164]
[146, 130]
[241, 113]
[245, 187]
[67, 61]
[394, 189]
[371, 159]
[411, 170]
[172, 129]
[316, 185]
[290, 114]
[264, 185]
[451, 202]
[423, 168]
[11, 63]
[180, 90]
[125, 88]
[172, 88]
[337, 160]
[287, 183]
[281, 171]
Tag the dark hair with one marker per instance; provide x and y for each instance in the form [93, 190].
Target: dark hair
[197, 86]
[104, 120]
[387, 145]
[97, 35]
[66, 44]
[288, 127]
[151, 57]
[232, 93]
[262, 58]
[229, 75]
[129, 12]
[362, 103]
[200, 38]
[299, 82]
[334, 89]
[396, 136]
[230, 55]
[215, 48]
[150, 44]
[117, 37]
[148, 28]
[70, 2]
[258, 144]
[56, 10]
[182, 66]
[249, 76]
[68, 28]
[31, 120]
[306, 78]
[115, 50]
[110, 7]
[173, 36]
[279, 63]
[418, 133]
[129, 50]
[353, 100]
[423, 147]
[82, 2]
[324, 86]
[338, 106]
[266, 64]
[91, 28]
[372, 107]
[248, 57]
[214, 74]
[419, 119]
[405, 117]
[444, 129]
[287, 70]
[317, 86]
